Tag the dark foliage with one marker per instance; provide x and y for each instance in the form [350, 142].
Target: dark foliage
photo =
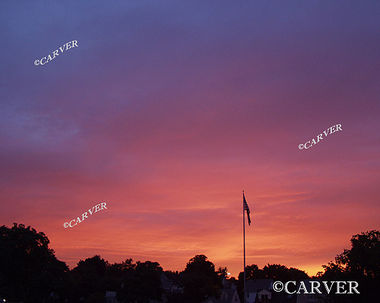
[200, 280]
[361, 263]
[141, 282]
[270, 271]
[29, 271]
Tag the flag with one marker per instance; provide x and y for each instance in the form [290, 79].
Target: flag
[245, 204]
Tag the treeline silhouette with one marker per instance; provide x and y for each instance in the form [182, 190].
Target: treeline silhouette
[30, 273]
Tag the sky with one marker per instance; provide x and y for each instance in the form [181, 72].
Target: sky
[167, 110]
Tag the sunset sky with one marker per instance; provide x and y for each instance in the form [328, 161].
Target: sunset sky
[167, 110]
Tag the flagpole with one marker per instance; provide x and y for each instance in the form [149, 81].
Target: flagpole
[244, 292]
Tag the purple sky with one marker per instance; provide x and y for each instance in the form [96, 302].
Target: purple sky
[168, 109]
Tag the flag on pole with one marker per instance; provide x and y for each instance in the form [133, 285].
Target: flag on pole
[247, 209]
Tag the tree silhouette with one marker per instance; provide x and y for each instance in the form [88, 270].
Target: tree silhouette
[361, 263]
[30, 273]
[363, 259]
[140, 282]
[222, 273]
[88, 279]
[273, 271]
[270, 271]
[252, 272]
[29, 270]
[117, 272]
[200, 280]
